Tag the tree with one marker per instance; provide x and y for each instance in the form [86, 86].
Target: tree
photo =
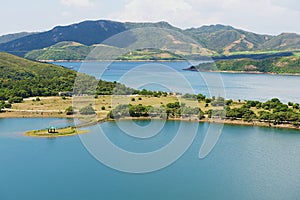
[69, 110]
[1, 105]
[88, 110]
[296, 106]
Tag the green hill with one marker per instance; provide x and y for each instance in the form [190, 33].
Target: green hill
[284, 41]
[61, 51]
[23, 78]
[204, 40]
[20, 78]
[14, 36]
[226, 39]
[279, 65]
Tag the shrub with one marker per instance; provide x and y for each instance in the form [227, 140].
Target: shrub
[15, 100]
[87, 110]
[69, 110]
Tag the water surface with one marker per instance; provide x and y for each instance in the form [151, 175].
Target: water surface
[235, 86]
[247, 163]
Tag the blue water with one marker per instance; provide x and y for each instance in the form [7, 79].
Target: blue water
[167, 76]
[247, 163]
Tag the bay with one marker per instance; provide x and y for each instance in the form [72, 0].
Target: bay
[168, 75]
[247, 163]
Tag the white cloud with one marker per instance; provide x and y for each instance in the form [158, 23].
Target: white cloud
[264, 16]
[77, 3]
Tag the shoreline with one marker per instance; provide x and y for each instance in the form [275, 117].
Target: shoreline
[8, 115]
[243, 72]
[88, 61]
[218, 121]
[35, 133]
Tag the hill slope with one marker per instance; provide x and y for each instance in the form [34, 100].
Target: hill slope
[86, 33]
[212, 39]
[61, 51]
[278, 65]
[225, 39]
[23, 78]
[11, 37]
[20, 77]
[284, 41]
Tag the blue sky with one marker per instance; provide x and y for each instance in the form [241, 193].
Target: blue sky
[261, 16]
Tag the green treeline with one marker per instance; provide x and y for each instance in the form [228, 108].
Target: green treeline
[272, 111]
[171, 110]
[277, 65]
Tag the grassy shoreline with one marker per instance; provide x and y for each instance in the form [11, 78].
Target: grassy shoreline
[54, 107]
[217, 121]
[72, 131]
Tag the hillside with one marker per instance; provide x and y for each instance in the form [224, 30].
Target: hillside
[20, 78]
[205, 40]
[278, 65]
[23, 78]
[11, 37]
[61, 51]
[285, 41]
[226, 39]
[86, 33]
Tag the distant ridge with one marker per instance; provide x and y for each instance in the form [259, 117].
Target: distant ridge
[218, 38]
[14, 36]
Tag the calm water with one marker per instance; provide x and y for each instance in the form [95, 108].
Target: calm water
[167, 74]
[247, 163]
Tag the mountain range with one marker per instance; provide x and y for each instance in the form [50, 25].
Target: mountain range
[79, 39]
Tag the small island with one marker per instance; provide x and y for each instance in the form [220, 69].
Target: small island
[53, 133]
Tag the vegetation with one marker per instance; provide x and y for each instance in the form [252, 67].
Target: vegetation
[11, 37]
[270, 65]
[70, 110]
[87, 110]
[272, 111]
[61, 132]
[82, 37]
[150, 54]
[21, 78]
[61, 51]
[169, 111]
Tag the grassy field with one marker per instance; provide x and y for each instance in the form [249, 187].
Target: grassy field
[56, 106]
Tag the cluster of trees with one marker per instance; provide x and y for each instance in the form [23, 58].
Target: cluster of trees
[171, 110]
[87, 110]
[145, 92]
[199, 97]
[270, 111]
[3, 104]
[22, 78]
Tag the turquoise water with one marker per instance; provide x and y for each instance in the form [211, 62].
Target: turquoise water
[247, 163]
[235, 86]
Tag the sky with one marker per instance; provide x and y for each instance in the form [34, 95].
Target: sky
[260, 16]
